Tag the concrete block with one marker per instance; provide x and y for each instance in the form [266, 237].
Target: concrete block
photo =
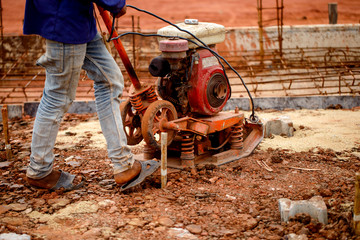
[315, 207]
[30, 108]
[293, 236]
[14, 111]
[14, 236]
[79, 107]
[279, 126]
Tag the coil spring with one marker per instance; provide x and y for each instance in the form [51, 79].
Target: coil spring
[136, 102]
[237, 136]
[187, 147]
[151, 95]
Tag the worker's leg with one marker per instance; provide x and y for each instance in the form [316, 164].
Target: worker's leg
[108, 84]
[63, 65]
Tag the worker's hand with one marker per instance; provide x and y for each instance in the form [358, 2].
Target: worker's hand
[119, 14]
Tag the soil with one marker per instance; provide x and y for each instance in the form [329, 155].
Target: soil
[238, 200]
[230, 13]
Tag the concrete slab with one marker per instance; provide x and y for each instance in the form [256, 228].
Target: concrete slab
[78, 107]
[14, 111]
[299, 36]
[82, 107]
[315, 207]
[281, 103]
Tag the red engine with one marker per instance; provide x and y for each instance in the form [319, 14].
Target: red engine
[193, 80]
[209, 86]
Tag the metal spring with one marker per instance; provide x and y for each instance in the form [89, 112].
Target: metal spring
[187, 147]
[237, 136]
[136, 102]
[151, 95]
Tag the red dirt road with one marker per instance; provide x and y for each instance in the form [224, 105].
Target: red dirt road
[230, 13]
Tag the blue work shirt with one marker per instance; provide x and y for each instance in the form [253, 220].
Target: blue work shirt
[67, 21]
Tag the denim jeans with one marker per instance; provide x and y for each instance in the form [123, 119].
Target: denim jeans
[63, 63]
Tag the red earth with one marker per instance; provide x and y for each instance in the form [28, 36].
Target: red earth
[238, 200]
[234, 201]
[230, 13]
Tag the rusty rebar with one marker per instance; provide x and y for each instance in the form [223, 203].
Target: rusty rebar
[356, 216]
[5, 120]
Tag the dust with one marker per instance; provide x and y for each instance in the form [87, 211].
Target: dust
[90, 130]
[338, 130]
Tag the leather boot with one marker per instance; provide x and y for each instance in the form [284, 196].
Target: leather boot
[128, 175]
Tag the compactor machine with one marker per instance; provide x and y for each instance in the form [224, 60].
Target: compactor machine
[187, 100]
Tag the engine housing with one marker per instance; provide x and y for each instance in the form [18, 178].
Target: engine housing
[209, 90]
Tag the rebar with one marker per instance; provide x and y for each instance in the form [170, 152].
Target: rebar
[279, 22]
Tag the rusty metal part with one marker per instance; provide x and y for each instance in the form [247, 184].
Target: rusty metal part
[4, 112]
[187, 156]
[163, 159]
[189, 124]
[141, 98]
[262, 23]
[217, 139]
[120, 48]
[137, 103]
[204, 125]
[237, 136]
[255, 134]
[131, 123]
[155, 115]
[187, 146]
[356, 216]
[222, 120]
[151, 95]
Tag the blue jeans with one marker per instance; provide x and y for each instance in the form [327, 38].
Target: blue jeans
[63, 63]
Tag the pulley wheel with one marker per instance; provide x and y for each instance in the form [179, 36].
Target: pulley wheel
[158, 112]
[131, 122]
[217, 90]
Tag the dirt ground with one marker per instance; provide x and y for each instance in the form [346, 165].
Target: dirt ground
[230, 13]
[238, 200]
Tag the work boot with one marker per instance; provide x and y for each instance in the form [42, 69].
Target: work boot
[128, 175]
[57, 179]
[47, 182]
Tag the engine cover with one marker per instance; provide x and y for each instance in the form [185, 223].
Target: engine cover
[210, 88]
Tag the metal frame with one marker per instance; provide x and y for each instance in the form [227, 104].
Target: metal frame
[262, 23]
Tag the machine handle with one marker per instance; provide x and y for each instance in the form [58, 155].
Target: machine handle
[120, 48]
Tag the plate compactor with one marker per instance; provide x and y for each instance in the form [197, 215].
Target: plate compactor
[186, 102]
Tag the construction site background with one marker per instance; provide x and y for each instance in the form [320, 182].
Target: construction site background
[273, 59]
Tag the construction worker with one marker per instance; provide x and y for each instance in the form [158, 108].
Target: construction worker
[72, 44]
